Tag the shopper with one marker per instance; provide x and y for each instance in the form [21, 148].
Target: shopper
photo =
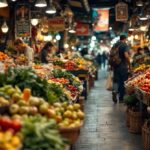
[99, 59]
[121, 70]
[140, 52]
[104, 59]
[22, 47]
[84, 52]
[139, 57]
[47, 49]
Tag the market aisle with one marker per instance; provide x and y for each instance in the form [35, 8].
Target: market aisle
[104, 127]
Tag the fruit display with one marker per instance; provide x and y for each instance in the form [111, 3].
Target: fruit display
[23, 103]
[60, 80]
[40, 101]
[10, 124]
[68, 116]
[37, 66]
[9, 141]
[141, 68]
[75, 63]
[70, 65]
[3, 56]
[21, 60]
[135, 81]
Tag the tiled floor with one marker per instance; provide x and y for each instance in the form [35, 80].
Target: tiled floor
[104, 127]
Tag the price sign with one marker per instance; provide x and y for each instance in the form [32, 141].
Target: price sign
[23, 20]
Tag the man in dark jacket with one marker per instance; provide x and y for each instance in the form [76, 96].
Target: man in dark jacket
[121, 71]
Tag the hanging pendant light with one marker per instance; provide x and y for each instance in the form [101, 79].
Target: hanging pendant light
[4, 27]
[3, 3]
[40, 3]
[51, 9]
[139, 3]
[34, 21]
[143, 17]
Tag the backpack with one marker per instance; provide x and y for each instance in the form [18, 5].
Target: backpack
[114, 57]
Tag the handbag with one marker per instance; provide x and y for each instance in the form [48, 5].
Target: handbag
[109, 82]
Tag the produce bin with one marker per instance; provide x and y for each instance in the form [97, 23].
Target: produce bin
[135, 121]
[71, 134]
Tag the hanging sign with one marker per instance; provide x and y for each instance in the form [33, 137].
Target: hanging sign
[82, 29]
[56, 24]
[102, 20]
[23, 20]
[121, 11]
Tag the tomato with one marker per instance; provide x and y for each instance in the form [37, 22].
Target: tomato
[16, 125]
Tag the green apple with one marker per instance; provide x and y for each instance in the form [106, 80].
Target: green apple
[22, 103]
[24, 110]
[43, 108]
[14, 109]
[34, 101]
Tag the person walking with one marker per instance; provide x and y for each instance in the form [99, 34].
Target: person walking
[121, 70]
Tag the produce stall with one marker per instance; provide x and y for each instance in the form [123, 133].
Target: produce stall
[44, 101]
[138, 102]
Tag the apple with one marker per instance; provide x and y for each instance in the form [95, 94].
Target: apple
[43, 108]
[57, 104]
[64, 105]
[22, 103]
[33, 110]
[77, 123]
[70, 107]
[10, 91]
[74, 115]
[51, 113]
[67, 114]
[76, 106]
[34, 101]
[24, 110]
[73, 125]
[14, 109]
[42, 101]
[80, 114]
[16, 116]
[16, 97]
[58, 118]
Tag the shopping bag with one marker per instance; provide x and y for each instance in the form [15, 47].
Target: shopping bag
[109, 82]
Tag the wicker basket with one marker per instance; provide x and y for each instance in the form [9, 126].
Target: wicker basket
[135, 122]
[129, 89]
[128, 117]
[146, 98]
[146, 137]
[71, 134]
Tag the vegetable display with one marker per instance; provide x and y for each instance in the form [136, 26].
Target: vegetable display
[40, 134]
[27, 78]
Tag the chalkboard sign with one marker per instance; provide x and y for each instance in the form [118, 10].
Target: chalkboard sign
[22, 23]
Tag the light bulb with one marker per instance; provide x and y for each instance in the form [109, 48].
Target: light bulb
[66, 45]
[58, 37]
[4, 27]
[136, 37]
[34, 21]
